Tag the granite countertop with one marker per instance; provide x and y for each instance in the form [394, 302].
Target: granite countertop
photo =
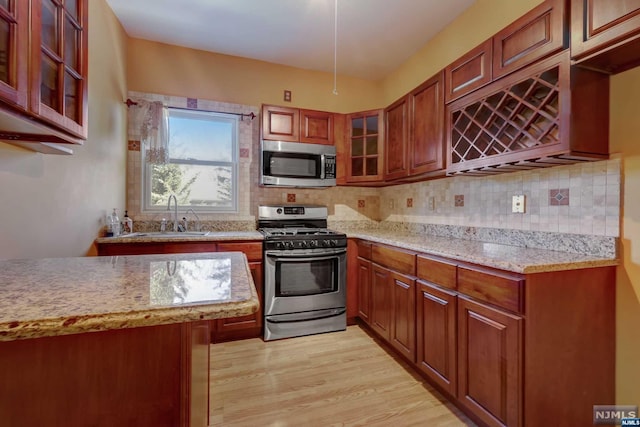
[212, 236]
[60, 296]
[515, 258]
[505, 257]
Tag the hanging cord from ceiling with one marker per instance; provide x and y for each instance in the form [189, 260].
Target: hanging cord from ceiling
[129, 102]
[335, 48]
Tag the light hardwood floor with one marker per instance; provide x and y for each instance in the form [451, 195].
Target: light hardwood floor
[335, 379]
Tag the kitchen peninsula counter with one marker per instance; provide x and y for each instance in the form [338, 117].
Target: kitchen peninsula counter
[114, 340]
[61, 296]
[512, 258]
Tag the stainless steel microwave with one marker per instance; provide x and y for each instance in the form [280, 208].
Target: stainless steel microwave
[297, 164]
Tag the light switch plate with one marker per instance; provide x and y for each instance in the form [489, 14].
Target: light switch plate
[431, 203]
[517, 204]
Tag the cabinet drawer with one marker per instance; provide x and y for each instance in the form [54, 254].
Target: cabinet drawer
[537, 34]
[188, 247]
[502, 289]
[364, 249]
[253, 250]
[437, 271]
[396, 259]
[469, 72]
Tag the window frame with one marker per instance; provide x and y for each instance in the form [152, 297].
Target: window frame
[147, 207]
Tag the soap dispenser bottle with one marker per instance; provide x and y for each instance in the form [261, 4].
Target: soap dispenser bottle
[127, 223]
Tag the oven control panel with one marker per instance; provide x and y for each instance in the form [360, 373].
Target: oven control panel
[291, 210]
[288, 212]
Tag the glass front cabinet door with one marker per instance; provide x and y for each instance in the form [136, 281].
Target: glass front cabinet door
[59, 64]
[365, 159]
[14, 50]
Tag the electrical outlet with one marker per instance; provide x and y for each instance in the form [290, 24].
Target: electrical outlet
[431, 203]
[391, 204]
[517, 204]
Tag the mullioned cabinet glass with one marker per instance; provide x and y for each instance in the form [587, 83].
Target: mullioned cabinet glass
[59, 75]
[14, 52]
[365, 159]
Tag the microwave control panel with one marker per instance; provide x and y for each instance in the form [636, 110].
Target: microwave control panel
[330, 167]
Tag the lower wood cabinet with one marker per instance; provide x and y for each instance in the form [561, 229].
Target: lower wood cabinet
[511, 349]
[402, 331]
[248, 326]
[393, 308]
[390, 296]
[436, 335]
[380, 301]
[490, 363]
[364, 289]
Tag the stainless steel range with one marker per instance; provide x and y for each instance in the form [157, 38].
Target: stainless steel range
[305, 272]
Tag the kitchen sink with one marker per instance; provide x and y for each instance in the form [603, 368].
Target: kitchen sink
[167, 234]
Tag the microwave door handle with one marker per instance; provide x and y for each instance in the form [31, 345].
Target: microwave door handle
[323, 165]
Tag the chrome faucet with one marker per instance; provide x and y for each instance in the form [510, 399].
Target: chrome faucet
[175, 211]
[186, 224]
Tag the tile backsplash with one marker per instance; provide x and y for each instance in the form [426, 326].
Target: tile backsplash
[579, 199]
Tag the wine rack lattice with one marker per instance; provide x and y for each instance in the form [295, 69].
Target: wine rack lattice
[520, 117]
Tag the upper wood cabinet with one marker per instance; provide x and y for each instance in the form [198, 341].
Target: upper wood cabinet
[547, 114]
[605, 35]
[60, 64]
[365, 146]
[426, 127]
[14, 20]
[296, 125]
[414, 143]
[280, 123]
[43, 73]
[537, 34]
[396, 140]
[316, 127]
[469, 72]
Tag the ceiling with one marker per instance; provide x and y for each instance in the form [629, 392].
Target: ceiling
[374, 36]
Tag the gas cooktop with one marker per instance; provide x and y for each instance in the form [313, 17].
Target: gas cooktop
[301, 232]
[287, 227]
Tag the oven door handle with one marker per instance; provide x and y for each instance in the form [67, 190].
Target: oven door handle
[305, 316]
[305, 256]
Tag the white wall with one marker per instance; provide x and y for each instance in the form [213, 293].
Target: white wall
[51, 206]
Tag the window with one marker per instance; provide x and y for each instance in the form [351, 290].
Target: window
[203, 164]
